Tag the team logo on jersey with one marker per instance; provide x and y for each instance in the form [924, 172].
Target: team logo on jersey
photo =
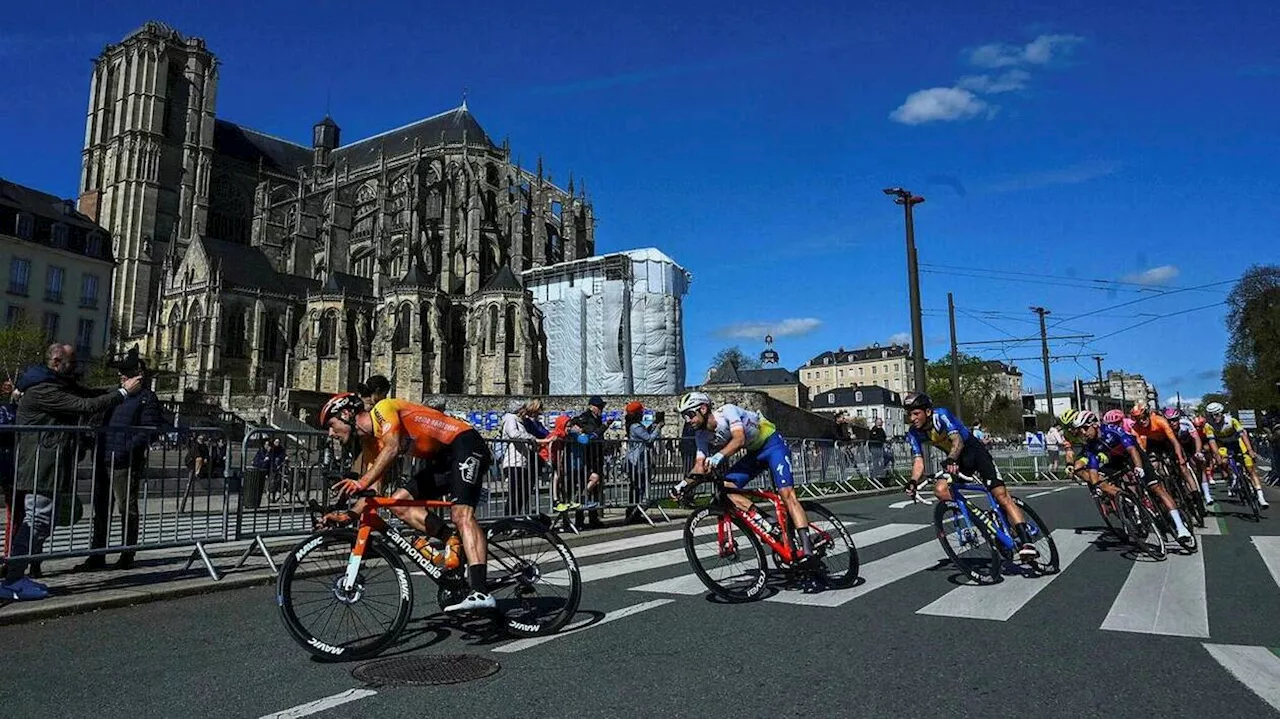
[469, 468]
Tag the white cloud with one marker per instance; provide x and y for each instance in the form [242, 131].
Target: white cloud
[992, 85]
[1040, 51]
[793, 327]
[941, 104]
[1073, 175]
[1154, 276]
[901, 338]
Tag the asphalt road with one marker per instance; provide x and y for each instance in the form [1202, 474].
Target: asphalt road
[1108, 636]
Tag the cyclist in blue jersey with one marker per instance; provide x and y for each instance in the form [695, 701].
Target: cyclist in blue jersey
[722, 432]
[965, 453]
[1109, 449]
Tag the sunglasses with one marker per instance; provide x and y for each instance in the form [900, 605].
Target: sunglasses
[689, 413]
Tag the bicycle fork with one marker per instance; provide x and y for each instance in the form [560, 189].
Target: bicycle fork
[357, 553]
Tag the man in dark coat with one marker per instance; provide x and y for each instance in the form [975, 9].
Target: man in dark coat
[51, 397]
[123, 464]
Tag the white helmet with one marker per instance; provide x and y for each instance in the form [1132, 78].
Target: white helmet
[1215, 408]
[693, 400]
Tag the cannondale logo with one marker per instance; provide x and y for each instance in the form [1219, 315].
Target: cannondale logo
[469, 468]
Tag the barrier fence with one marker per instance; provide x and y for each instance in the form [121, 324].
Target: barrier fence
[197, 487]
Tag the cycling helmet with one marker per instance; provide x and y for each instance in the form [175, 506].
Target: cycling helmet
[1215, 408]
[916, 400]
[1068, 417]
[1139, 411]
[693, 400]
[1113, 416]
[338, 404]
[1085, 418]
[1199, 422]
[1172, 413]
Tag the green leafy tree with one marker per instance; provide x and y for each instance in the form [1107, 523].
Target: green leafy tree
[978, 385]
[21, 345]
[735, 356]
[1212, 397]
[1252, 368]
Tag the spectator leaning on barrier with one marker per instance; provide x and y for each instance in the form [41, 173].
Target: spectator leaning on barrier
[876, 462]
[642, 433]
[47, 460]
[586, 456]
[518, 466]
[1053, 441]
[123, 463]
[197, 462]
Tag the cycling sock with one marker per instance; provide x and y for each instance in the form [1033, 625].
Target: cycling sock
[805, 540]
[476, 577]
[1176, 516]
[1204, 489]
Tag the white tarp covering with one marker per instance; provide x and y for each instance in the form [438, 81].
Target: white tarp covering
[609, 336]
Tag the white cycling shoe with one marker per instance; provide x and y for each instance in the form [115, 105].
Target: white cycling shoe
[475, 601]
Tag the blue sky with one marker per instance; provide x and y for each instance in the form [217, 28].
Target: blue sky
[750, 141]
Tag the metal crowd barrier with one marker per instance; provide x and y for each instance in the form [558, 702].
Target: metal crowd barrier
[77, 499]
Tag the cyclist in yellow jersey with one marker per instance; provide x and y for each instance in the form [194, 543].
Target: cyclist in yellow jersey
[1227, 435]
[457, 461]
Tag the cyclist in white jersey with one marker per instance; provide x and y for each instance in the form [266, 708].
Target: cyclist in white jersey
[729, 429]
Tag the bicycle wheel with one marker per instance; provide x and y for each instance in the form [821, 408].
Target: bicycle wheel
[970, 545]
[727, 556]
[1245, 492]
[833, 546]
[532, 576]
[1141, 527]
[334, 623]
[1041, 537]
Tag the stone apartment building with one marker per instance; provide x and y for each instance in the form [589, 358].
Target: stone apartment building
[890, 367]
[249, 256]
[1008, 380]
[781, 384]
[59, 264]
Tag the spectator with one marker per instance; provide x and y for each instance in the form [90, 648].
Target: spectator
[642, 433]
[218, 457]
[556, 457]
[51, 396]
[1053, 441]
[123, 464]
[374, 390]
[262, 459]
[519, 454]
[278, 464]
[197, 463]
[877, 442]
[12, 504]
[586, 456]
[980, 434]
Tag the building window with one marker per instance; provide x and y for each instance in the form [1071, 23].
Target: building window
[53, 284]
[327, 345]
[50, 326]
[14, 315]
[831, 398]
[873, 369]
[271, 337]
[93, 245]
[19, 276]
[59, 235]
[84, 338]
[875, 413]
[89, 291]
[860, 371]
[24, 226]
[857, 397]
[403, 319]
[509, 329]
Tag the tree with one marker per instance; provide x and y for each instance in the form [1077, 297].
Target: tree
[735, 356]
[1212, 397]
[978, 387]
[21, 345]
[1252, 366]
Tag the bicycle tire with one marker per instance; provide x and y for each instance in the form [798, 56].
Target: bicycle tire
[1042, 538]
[826, 534]
[1246, 493]
[1106, 514]
[338, 543]
[520, 553]
[967, 532]
[753, 585]
[1146, 535]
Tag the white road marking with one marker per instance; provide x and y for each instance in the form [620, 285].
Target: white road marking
[320, 705]
[1269, 548]
[619, 545]
[1001, 601]
[925, 499]
[689, 584]
[1256, 667]
[521, 644]
[1041, 494]
[1163, 598]
[876, 574]
[1212, 527]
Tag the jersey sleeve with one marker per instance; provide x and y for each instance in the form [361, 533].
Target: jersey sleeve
[733, 415]
[949, 425]
[913, 440]
[702, 440]
[386, 420]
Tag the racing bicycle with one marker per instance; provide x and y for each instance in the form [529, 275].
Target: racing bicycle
[980, 539]
[1136, 521]
[1241, 487]
[345, 592]
[727, 548]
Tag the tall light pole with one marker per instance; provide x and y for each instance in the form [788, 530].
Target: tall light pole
[908, 201]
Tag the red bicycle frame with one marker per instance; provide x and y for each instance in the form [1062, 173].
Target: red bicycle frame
[784, 548]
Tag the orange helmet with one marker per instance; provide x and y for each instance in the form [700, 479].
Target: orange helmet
[1139, 411]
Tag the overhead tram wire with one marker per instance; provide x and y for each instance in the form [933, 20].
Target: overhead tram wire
[1028, 280]
[1160, 317]
[1086, 281]
[1144, 299]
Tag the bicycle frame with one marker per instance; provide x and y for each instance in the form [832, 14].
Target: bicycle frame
[784, 548]
[998, 527]
[370, 522]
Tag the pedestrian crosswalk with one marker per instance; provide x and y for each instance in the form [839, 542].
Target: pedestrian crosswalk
[1168, 598]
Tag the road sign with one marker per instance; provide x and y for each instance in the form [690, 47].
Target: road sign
[1249, 418]
[1035, 443]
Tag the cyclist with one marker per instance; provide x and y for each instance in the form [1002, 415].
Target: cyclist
[1227, 435]
[1156, 435]
[965, 453]
[729, 429]
[1121, 452]
[1192, 447]
[455, 453]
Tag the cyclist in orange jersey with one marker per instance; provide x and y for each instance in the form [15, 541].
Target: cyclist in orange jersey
[457, 460]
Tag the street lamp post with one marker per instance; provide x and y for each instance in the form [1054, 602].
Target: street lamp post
[908, 201]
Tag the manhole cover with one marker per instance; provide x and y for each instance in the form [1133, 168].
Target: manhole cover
[425, 669]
